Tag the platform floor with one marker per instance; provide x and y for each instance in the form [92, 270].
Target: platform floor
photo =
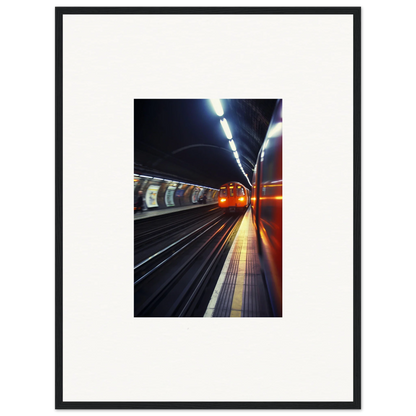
[155, 212]
[241, 290]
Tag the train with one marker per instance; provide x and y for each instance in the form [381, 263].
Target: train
[267, 208]
[234, 197]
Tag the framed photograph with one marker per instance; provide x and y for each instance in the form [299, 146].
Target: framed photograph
[201, 260]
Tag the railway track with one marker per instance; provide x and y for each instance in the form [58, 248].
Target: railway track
[151, 235]
[178, 279]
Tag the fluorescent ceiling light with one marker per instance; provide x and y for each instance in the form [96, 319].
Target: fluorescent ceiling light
[275, 131]
[235, 155]
[216, 103]
[227, 130]
[232, 144]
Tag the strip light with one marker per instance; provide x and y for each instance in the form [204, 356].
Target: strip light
[226, 128]
[220, 112]
[216, 103]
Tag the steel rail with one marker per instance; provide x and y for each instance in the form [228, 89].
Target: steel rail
[180, 220]
[161, 231]
[210, 261]
[184, 266]
[224, 240]
[218, 219]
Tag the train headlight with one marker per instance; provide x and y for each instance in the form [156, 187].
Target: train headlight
[241, 199]
[223, 199]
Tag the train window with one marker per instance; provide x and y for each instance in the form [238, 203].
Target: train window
[231, 191]
[223, 192]
[271, 171]
[240, 191]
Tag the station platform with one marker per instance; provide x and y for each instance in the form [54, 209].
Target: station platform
[155, 212]
[241, 290]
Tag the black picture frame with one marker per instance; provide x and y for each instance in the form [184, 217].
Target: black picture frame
[355, 12]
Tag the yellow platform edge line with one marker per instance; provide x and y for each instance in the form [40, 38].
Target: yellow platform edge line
[237, 303]
[209, 313]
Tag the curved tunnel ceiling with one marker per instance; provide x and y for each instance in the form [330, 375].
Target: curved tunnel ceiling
[184, 140]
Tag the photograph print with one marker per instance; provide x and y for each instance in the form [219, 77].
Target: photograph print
[208, 195]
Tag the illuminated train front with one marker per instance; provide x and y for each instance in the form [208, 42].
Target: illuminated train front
[233, 197]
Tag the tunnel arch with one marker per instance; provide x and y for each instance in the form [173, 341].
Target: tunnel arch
[181, 149]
